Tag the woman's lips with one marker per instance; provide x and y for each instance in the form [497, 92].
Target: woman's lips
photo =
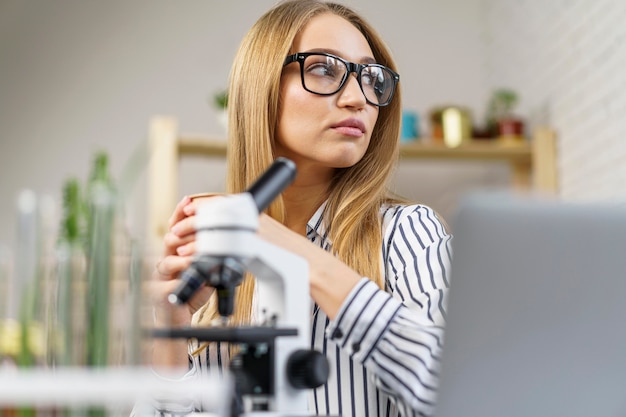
[349, 131]
[350, 127]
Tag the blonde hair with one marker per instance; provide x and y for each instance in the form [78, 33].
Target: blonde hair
[352, 213]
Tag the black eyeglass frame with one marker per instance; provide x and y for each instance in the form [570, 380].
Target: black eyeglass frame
[351, 66]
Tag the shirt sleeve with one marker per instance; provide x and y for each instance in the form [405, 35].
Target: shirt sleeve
[397, 334]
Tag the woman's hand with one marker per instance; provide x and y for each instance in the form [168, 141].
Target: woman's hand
[330, 279]
[179, 247]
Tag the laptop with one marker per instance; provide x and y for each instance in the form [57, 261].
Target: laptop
[536, 319]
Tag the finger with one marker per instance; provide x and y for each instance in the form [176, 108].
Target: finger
[192, 209]
[172, 242]
[186, 250]
[178, 213]
[171, 266]
[184, 227]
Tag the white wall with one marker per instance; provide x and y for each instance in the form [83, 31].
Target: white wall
[568, 60]
[76, 77]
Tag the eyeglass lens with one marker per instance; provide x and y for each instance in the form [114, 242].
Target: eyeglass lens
[324, 74]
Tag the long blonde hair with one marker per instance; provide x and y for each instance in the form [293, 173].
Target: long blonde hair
[352, 213]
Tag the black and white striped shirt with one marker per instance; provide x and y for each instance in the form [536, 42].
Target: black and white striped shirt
[384, 346]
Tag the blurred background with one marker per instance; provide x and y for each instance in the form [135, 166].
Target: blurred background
[80, 77]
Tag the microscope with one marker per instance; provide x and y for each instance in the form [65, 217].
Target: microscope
[275, 366]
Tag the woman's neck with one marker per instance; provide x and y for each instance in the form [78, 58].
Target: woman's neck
[301, 203]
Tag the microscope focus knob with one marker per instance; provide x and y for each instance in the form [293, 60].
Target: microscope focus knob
[307, 369]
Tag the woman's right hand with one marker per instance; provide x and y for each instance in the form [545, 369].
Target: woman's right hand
[179, 246]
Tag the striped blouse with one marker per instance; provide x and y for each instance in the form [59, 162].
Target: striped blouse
[384, 346]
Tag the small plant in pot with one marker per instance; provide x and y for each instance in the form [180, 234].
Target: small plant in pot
[220, 102]
[501, 121]
[220, 99]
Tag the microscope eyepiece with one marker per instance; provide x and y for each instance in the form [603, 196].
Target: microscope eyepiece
[272, 182]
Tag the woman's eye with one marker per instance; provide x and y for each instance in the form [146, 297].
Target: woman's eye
[369, 76]
[323, 70]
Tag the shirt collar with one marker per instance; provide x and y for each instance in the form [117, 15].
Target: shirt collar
[315, 227]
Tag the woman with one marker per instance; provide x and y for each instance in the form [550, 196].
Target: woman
[315, 83]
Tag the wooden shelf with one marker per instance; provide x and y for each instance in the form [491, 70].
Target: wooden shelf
[471, 150]
[190, 145]
[519, 152]
[532, 162]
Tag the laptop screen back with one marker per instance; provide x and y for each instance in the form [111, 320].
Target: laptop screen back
[537, 310]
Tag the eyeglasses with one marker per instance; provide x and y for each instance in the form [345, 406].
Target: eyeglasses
[325, 74]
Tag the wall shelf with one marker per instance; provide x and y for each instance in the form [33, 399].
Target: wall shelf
[471, 150]
[532, 163]
[420, 149]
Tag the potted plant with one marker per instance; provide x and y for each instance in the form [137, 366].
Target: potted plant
[220, 102]
[501, 121]
[220, 99]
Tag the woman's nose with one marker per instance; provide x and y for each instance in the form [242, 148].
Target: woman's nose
[351, 93]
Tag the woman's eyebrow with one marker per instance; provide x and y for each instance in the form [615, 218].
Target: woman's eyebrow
[363, 60]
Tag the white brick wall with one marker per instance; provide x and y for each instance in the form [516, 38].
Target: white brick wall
[567, 60]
